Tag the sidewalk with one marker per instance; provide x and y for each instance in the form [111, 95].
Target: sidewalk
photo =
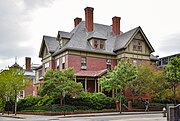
[22, 116]
[109, 114]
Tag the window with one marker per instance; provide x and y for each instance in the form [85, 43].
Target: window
[95, 43]
[137, 45]
[39, 73]
[108, 67]
[83, 63]
[21, 94]
[99, 44]
[108, 63]
[138, 61]
[164, 61]
[46, 66]
[57, 64]
[60, 43]
[134, 61]
[63, 62]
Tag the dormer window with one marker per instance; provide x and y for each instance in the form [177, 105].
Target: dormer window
[99, 44]
[102, 43]
[95, 43]
[137, 45]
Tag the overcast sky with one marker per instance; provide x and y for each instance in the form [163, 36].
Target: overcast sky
[24, 22]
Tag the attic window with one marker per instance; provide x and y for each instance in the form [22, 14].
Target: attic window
[99, 44]
[137, 45]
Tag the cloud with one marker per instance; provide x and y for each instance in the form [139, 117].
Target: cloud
[33, 4]
[170, 44]
[15, 21]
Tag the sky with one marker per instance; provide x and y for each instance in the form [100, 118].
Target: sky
[24, 22]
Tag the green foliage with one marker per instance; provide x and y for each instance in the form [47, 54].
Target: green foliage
[28, 102]
[173, 70]
[120, 77]
[58, 82]
[97, 101]
[87, 101]
[144, 78]
[12, 81]
[173, 75]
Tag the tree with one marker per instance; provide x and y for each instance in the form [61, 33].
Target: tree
[119, 78]
[141, 85]
[173, 74]
[13, 81]
[58, 82]
[150, 80]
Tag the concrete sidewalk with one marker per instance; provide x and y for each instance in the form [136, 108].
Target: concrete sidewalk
[22, 116]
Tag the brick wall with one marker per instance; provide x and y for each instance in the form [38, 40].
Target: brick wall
[74, 61]
[29, 88]
[93, 64]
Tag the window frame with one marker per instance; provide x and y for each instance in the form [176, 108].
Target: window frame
[83, 63]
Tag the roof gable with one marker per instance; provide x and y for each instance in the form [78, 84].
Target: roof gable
[125, 39]
[50, 43]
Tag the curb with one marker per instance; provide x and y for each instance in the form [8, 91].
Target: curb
[109, 114]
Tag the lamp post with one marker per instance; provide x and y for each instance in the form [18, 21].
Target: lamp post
[7, 100]
[64, 94]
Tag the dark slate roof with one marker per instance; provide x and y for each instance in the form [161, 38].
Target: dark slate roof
[63, 34]
[15, 65]
[154, 58]
[79, 39]
[124, 38]
[96, 35]
[51, 44]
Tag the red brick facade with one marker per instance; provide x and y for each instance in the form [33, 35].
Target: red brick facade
[91, 49]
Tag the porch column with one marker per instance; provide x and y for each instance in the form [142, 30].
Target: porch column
[101, 88]
[85, 84]
[95, 81]
[75, 79]
[98, 88]
[113, 93]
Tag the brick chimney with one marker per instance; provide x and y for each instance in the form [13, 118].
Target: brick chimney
[28, 64]
[116, 25]
[77, 21]
[89, 18]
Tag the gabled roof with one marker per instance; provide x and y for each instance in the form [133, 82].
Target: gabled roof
[63, 34]
[124, 39]
[78, 40]
[50, 42]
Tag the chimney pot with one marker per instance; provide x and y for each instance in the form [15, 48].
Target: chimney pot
[89, 18]
[116, 25]
[77, 21]
[28, 64]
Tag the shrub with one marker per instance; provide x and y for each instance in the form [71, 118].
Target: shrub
[28, 102]
[97, 101]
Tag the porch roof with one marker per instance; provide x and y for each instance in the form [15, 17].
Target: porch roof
[85, 73]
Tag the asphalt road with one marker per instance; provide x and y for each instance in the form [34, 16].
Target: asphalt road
[103, 117]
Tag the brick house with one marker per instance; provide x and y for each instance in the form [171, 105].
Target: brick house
[28, 73]
[92, 49]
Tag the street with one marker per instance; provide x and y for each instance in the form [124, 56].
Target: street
[95, 117]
